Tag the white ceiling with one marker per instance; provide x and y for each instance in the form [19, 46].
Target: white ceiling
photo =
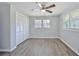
[32, 9]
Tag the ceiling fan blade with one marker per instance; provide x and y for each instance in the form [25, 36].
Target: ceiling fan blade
[53, 5]
[48, 11]
[39, 4]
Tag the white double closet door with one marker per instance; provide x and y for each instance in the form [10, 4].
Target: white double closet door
[21, 28]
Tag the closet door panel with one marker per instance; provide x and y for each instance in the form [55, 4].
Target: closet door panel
[26, 28]
[21, 28]
[17, 29]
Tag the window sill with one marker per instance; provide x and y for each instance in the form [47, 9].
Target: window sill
[71, 29]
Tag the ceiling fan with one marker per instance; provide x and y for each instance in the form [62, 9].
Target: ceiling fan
[45, 8]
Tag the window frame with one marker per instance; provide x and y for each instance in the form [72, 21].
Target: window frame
[37, 24]
[46, 23]
[70, 21]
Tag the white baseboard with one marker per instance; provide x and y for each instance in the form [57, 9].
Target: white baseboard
[4, 50]
[44, 37]
[12, 49]
[68, 45]
[7, 50]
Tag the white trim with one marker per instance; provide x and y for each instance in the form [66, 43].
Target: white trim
[68, 45]
[44, 37]
[7, 50]
[22, 41]
[12, 49]
[4, 50]
[73, 30]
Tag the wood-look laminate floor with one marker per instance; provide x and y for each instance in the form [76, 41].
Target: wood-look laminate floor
[41, 47]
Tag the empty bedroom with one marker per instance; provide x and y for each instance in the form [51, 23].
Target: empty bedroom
[39, 28]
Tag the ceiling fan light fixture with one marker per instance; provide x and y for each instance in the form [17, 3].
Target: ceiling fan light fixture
[43, 7]
[43, 10]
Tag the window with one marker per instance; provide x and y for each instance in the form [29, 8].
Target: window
[46, 23]
[75, 19]
[66, 21]
[42, 23]
[37, 23]
[71, 20]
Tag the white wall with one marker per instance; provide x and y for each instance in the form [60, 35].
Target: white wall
[53, 31]
[8, 27]
[4, 26]
[70, 36]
